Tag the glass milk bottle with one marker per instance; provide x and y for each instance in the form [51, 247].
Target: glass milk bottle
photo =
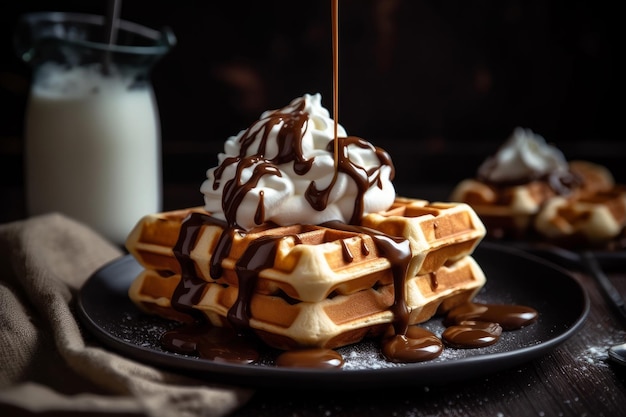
[92, 130]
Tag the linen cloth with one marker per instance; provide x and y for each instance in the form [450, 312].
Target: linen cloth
[48, 363]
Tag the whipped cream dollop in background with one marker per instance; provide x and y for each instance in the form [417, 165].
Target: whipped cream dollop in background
[266, 171]
[524, 157]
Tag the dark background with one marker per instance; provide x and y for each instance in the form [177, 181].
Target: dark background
[439, 84]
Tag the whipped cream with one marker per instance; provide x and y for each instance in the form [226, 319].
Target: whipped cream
[524, 157]
[282, 169]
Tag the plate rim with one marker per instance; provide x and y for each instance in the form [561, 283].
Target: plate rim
[446, 371]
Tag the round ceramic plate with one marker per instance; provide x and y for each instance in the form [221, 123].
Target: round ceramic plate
[513, 277]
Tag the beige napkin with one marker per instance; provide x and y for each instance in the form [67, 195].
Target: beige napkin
[46, 363]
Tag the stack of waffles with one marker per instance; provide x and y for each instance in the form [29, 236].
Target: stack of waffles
[593, 213]
[325, 286]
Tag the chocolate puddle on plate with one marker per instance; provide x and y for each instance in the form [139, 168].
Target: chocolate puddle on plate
[143, 330]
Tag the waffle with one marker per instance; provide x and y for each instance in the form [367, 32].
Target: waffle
[437, 232]
[311, 270]
[592, 211]
[506, 211]
[594, 178]
[326, 286]
[588, 220]
[341, 319]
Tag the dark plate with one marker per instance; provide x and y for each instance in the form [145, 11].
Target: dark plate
[568, 258]
[513, 277]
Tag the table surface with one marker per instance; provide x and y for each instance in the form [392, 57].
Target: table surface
[576, 378]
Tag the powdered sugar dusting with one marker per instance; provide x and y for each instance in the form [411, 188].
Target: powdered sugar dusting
[597, 354]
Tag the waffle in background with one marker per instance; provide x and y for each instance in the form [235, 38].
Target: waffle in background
[592, 215]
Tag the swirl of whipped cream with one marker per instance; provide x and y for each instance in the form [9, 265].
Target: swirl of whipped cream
[524, 157]
[282, 169]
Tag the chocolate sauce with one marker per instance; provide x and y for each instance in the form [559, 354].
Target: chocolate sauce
[335, 37]
[472, 325]
[259, 215]
[345, 251]
[364, 179]
[415, 345]
[220, 344]
[510, 317]
[310, 358]
[235, 189]
[472, 334]
[259, 255]
[191, 288]
[398, 252]
[289, 139]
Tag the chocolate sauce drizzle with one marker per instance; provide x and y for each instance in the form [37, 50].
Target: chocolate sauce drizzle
[191, 288]
[258, 256]
[398, 252]
[363, 178]
[293, 121]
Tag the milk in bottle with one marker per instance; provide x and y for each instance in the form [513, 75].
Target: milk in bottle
[92, 132]
[92, 149]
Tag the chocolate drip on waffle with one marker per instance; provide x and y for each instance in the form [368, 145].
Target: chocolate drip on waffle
[191, 288]
[398, 252]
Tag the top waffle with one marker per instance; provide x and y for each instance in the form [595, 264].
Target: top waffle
[437, 232]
